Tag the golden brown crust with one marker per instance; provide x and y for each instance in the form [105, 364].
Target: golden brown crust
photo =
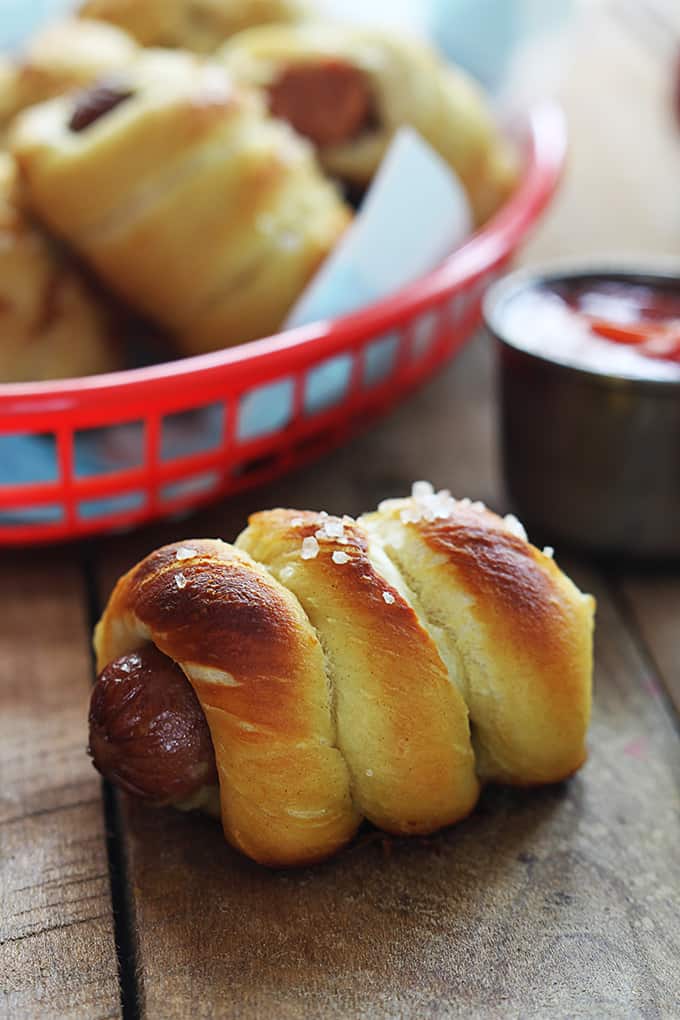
[198, 25]
[510, 587]
[334, 672]
[62, 57]
[52, 324]
[402, 725]
[236, 616]
[8, 92]
[518, 629]
[257, 669]
[150, 22]
[201, 211]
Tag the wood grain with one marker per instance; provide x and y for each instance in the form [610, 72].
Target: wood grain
[559, 903]
[654, 604]
[57, 952]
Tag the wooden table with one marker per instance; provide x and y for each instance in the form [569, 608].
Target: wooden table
[560, 903]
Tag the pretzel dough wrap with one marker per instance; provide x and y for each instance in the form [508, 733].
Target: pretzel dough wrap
[402, 726]
[199, 25]
[403, 82]
[257, 668]
[150, 22]
[514, 630]
[186, 198]
[64, 56]
[52, 325]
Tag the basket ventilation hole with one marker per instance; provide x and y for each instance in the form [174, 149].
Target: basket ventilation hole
[327, 384]
[380, 359]
[424, 335]
[129, 502]
[26, 459]
[109, 449]
[265, 410]
[197, 430]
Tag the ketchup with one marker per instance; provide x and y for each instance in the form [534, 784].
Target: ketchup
[624, 324]
[630, 314]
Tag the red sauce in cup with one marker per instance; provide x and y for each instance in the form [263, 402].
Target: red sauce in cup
[632, 314]
[616, 325]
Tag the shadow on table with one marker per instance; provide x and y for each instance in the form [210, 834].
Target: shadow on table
[388, 921]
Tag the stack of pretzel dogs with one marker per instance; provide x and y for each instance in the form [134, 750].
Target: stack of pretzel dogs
[325, 670]
[201, 182]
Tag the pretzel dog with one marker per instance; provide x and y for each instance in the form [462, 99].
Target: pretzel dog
[380, 669]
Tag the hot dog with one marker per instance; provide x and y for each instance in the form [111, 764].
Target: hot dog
[148, 733]
[328, 102]
[97, 101]
[350, 89]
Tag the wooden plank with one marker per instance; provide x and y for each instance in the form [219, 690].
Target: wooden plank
[561, 902]
[654, 604]
[57, 951]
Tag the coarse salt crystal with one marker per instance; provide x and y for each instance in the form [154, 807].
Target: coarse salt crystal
[180, 581]
[297, 522]
[421, 490]
[369, 772]
[427, 505]
[334, 528]
[185, 553]
[287, 573]
[478, 506]
[549, 551]
[340, 557]
[444, 506]
[515, 527]
[310, 549]
[389, 598]
[409, 516]
[323, 513]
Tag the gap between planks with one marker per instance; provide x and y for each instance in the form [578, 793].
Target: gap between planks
[122, 901]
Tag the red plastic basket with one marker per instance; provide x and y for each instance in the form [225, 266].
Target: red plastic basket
[383, 352]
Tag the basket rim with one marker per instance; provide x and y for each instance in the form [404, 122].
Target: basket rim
[544, 127]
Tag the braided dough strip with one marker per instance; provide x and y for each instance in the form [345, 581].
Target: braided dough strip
[402, 726]
[257, 668]
[515, 631]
